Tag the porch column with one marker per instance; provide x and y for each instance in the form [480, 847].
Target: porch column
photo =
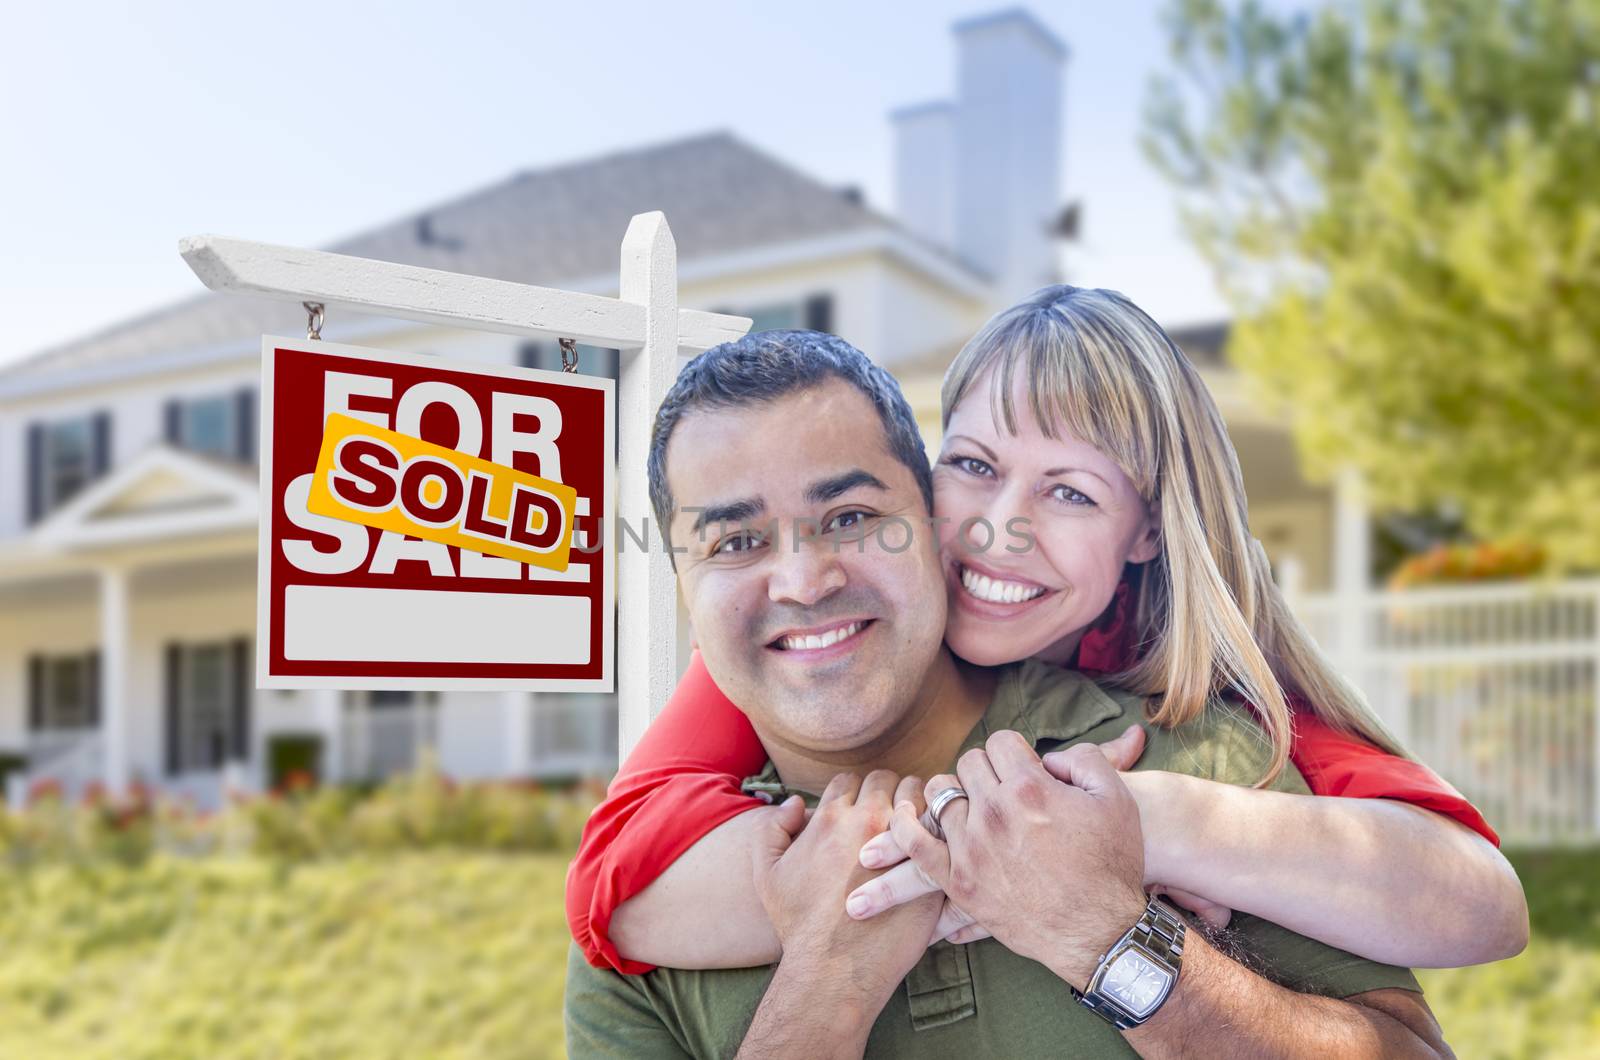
[1352, 573]
[326, 705]
[518, 707]
[114, 676]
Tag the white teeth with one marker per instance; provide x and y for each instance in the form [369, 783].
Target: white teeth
[997, 592]
[833, 636]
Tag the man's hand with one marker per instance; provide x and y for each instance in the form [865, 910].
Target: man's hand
[836, 973]
[1053, 868]
[904, 880]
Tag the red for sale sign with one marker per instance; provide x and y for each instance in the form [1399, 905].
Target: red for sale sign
[429, 524]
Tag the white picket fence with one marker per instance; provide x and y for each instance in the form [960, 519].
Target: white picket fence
[1496, 687]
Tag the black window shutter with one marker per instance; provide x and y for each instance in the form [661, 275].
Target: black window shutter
[245, 420]
[35, 692]
[174, 660]
[91, 665]
[35, 471]
[241, 699]
[172, 422]
[102, 443]
[819, 312]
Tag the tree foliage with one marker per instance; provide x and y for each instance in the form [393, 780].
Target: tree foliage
[1401, 201]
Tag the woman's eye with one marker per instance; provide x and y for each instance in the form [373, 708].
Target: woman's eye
[1068, 495]
[970, 464]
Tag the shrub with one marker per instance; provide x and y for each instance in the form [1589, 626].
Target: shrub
[300, 821]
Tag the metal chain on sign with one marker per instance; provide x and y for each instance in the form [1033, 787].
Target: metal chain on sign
[569, 354]
[313, 319]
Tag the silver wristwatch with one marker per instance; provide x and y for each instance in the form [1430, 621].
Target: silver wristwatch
[1138, 973]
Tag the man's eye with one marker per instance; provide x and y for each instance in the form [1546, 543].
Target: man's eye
[736, 544]
[847, 520]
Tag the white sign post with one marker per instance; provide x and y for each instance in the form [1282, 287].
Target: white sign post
[645, 323]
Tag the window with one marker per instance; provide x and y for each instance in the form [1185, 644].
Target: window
[574, 732]
[814, 312]
[63, 692]
[206, 426]
[217, 425]
[773, 317]
[208, 705]
[385, 731]
[64, 456]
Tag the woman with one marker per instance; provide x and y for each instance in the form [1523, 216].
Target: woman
[1074, 412]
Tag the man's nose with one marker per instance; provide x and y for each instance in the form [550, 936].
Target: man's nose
[805, 572]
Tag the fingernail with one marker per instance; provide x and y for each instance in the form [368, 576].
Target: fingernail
[869, 858]
[856, 905]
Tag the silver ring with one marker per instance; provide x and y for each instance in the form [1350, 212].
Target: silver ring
[937, 807]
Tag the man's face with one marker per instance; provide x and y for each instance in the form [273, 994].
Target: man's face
[809, 571]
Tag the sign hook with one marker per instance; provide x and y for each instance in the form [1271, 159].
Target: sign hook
[313, 319]
[569, 354]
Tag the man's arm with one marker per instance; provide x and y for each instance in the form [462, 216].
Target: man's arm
[1221, 1008]
[836, 974]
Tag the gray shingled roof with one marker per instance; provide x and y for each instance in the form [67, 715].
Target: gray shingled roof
[564, 223]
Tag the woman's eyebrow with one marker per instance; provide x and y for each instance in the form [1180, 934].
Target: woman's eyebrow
[986, 450]
[1058, 471]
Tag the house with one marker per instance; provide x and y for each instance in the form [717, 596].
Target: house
[128, 465]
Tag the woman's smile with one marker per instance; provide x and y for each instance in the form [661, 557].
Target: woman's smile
[989, 594]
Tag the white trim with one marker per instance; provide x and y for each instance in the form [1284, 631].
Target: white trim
[900, 245]
[434, 296]
[894, 242]
[72, 526]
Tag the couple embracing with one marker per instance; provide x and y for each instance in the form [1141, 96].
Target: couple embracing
[933, 787]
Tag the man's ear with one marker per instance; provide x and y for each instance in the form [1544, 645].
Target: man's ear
[1147, 546]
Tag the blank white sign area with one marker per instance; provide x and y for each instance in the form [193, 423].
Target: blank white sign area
[335, 623]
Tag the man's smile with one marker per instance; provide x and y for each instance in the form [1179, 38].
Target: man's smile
[821, 642]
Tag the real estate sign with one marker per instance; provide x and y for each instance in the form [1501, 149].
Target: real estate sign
[431, 524]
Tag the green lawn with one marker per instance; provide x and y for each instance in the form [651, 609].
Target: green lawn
[453, 954]
[429, 954]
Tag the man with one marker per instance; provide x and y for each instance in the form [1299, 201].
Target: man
[791, 476]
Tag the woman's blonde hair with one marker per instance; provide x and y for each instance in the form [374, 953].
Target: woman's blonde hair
[1207, 616]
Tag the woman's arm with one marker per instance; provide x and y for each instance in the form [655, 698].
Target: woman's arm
[1377, 875]
[1384, 879]
[702, 911]
[681, 782]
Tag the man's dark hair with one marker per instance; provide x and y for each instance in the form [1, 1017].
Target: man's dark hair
[766, 366]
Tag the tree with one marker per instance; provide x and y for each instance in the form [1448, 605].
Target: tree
[1401, 201]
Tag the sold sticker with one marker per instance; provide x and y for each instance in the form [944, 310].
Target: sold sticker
[392, 481]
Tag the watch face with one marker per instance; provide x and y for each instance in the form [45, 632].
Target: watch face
[1136, 983]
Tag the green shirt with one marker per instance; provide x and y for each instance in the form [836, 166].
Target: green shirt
[979, 999]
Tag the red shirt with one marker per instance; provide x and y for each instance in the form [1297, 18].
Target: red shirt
[682, 780]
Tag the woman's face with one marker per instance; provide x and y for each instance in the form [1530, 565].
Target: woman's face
[1033, 532]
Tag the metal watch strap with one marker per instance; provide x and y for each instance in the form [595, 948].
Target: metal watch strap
[1160, 932]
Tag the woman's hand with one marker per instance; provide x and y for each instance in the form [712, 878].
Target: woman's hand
[904, 881]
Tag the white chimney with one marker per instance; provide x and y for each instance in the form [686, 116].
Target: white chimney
[924, 170]
[982, 176]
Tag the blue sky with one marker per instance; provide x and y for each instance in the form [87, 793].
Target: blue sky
[129, 125]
